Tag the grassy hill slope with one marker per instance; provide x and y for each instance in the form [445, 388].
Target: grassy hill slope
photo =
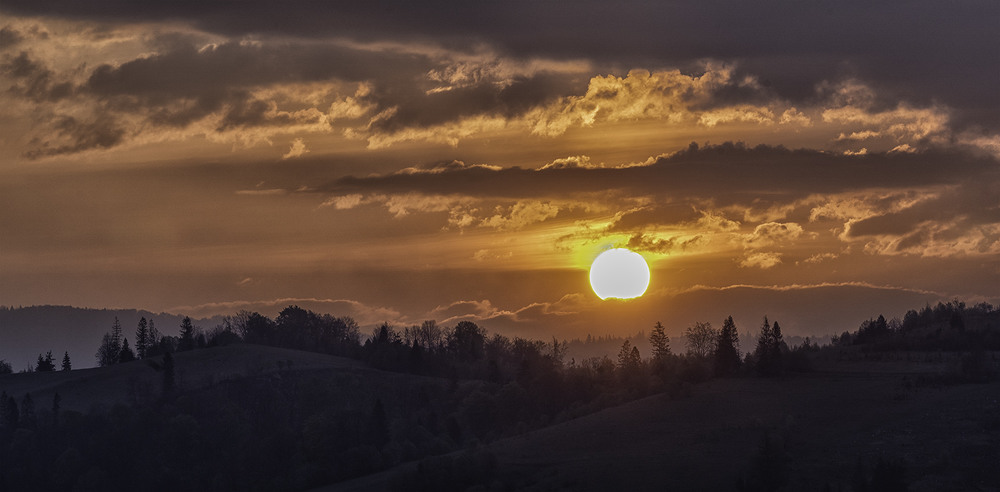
[104, 386]
[823, 425]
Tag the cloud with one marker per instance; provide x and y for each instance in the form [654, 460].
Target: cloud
[652, 244]
[520, 215]
[794, 47]
[762, 260]
[571, 162]
[298, 149]
[772, 233]
[731, 172]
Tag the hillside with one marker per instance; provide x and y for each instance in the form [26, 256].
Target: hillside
[83, 389]
[947, 437]
[28, 331]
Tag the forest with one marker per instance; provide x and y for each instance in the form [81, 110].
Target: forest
[426, 394]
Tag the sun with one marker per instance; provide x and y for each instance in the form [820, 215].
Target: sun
[619, 273]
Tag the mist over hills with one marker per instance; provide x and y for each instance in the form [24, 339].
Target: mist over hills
[28, 331]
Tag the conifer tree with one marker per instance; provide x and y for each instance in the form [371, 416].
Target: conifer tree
[727, 355]
[625, 354]
[660, 342]
[66, 365]
[45, 364]
[116, 337]
[186, 341]
[126, 354]
[106, 355]
[141, 338]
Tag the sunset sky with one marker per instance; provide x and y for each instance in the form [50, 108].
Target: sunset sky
[819, 163]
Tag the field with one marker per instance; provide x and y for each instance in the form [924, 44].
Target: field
[825, 424]
[824, 430]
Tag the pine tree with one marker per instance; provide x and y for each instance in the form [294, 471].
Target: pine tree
[116, 337]
[187, 335]
[762, 354]
[45, 364]
[66, 365]
[660, 342]
[727, 355]
[152, 340]
[625, 355]
[106, 355]
[768, 351]
[778, 345]
[141, 338]
[126, 354]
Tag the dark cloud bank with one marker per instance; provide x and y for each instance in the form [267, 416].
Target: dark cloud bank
[921, 51]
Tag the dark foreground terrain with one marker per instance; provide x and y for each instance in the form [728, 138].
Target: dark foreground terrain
[827, 431]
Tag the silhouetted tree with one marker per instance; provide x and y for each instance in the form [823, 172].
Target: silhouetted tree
[660, 343]
[111, 346]
[45, 364]
[168, 373]
[727, 354]
[152, 340]
[116, 336]
[186, 341]
[628, 356]
[467, 340]
[701, 339]
[106, 354]
[142, 340]
[5, 367]
[255, 328]
[126, 354]
[429, 335]
[767, 355]
[66, 364]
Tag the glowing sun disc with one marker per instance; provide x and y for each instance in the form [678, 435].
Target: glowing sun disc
[619, 273]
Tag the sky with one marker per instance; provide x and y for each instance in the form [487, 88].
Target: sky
[819, 163]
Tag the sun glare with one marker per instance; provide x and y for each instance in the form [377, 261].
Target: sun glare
[619, 273]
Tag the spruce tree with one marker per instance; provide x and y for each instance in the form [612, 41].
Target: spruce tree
[116, 337]
[152, 340]
[141, 338]
[625, 355]
[126, 354]
[660, 343]
[763, 352]
[186, 341]
[106, 354]
[66, 365]
[727, 355]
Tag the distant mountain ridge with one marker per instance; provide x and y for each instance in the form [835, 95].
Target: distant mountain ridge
[28, 331]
